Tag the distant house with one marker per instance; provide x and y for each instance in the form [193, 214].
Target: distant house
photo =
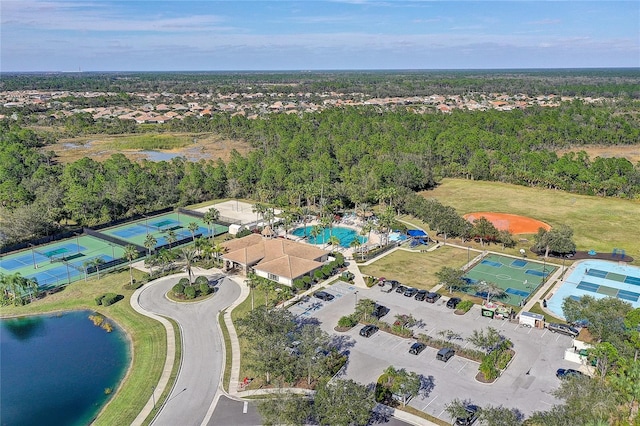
[277, 259]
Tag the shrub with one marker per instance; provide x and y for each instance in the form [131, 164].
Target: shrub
[178, 289]
[347, 321]
[307, 280]
[98, 299]
[465, 305]
[370, 281]
[202, 280]
[327, 270]
[185, 282]
[243, 233]
[503, 359]
[299, 284]
[339, 259]
[488, 368]
[109, 299]
[205, 289]
[318, 275]
[190, 292]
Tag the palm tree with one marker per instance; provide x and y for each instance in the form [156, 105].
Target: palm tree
[150, 243]
[218, 250]
[130, 253]
[267, 286]
[16, 285]
[492, 290]
[333, 241]
[252, 282]
[269, 215]
[213, 215]
[172, 237]
[316, 230]
[385, 223]
[355, 244]
[327, 222]
[258, 209]
[188, 255]
[96, 263]
[193, 227]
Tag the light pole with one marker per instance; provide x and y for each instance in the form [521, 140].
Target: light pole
[356, 294]
[468, 255]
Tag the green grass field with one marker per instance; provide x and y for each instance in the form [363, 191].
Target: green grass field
[150, 142]
[601, 224]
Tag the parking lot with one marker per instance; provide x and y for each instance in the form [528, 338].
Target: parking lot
[526, 384]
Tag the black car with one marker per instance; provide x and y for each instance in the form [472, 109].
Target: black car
[453, 302]
[323, 295]
[416, 348]
[410, 292]
[432, 297]
[563, 373]
[401, 289]
[444, 354]
[563, 329]
[471, 416]
[368, 330]
[420, 295]
[379, 311]
[393, 283]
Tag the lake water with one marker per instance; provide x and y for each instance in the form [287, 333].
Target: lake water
[54, 369]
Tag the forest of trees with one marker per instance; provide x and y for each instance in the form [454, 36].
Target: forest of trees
[344, 155]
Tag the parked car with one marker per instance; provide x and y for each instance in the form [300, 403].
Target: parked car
[379, 311]
[368, 330]
[386, 287]
[432, 297]
[563, 328]
[410, 292]
[420, 295]
[401, 289]
[563, 373]
[453, 302]
[416, 348]
[393, 283]
[323, 295]
[470, 418]
[444, 354]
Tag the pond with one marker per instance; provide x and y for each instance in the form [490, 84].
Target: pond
[58, 369]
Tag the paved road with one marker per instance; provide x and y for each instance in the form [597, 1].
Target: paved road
[202, 350]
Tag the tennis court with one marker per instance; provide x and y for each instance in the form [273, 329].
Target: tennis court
[598, 278]
[60, 263]
[161, 226]
[519, 278]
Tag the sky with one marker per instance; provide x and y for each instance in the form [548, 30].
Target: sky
[214, 35]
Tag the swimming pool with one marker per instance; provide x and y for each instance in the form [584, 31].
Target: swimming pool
[397, 236]
[598, 278]
[345, 235]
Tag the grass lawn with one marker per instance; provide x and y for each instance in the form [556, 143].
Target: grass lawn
[147, 337]
[601, 224]
[414, 268]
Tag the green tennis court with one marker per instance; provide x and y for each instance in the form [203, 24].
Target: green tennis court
[60, 263]
[519, 278]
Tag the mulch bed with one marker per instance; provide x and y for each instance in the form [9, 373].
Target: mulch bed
[580, 255]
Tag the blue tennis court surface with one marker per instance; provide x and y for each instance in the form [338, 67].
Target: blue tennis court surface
[54, 276]
[536, 273]
[598, 278]
[584, 285]
[131, 231]
[519, 263]
[491, 263]
[597, 273]
[517, 292]
[632, 280]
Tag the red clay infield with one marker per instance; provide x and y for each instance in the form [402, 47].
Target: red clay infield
[511, 222]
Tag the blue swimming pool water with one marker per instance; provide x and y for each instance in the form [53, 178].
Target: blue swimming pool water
[587, 277]
[345, 235]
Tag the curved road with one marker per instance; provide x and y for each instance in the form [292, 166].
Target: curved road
[202, 351]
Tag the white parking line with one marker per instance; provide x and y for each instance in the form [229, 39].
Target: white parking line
[463, 366]
[398, 344]
[516, 327]
[425, 407]
[245, 407]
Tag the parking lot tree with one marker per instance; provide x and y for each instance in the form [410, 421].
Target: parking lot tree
[457, 408]
[605, 318]
[284, 408]
[402, 383]
[489, 340]
[364, 309]
[451, 278]
[627, 383]
[501, 416]
[267, 331]
[449, 335]
[313, 343]
[343, 402]
[586, 401]
[605, 357]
